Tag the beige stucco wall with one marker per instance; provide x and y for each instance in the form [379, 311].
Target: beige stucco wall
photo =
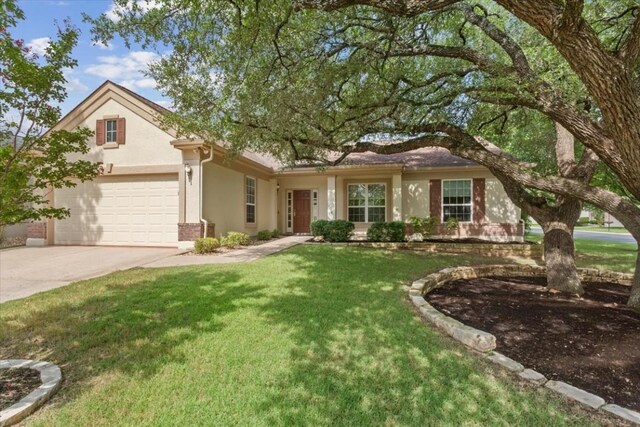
[415, 197]
[317, 182]
[415, 187]
[223, 202]
[145, 143]
[500, 208]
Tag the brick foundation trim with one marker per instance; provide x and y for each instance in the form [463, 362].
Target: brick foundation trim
[188, 232]
[482, 230]
[37, 230]
[487, 230]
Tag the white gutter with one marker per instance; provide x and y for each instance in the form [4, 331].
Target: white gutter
[200, 207]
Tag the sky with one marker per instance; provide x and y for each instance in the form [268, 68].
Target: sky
[95, 63]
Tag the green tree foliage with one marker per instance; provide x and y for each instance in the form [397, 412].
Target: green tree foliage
[32, 160]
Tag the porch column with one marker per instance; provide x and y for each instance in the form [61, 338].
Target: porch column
[396, 186]
[273, 214]
[190, 228]
[331, 198]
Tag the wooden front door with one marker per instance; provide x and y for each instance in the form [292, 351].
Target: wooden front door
[301, 211]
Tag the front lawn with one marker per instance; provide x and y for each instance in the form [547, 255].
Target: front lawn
[602, 228]
[313, 336]
[602, 254]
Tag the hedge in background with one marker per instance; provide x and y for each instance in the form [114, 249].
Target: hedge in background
[265, 235]
[386, 232]
[319, 227]
[338, 230]
[233, 239]
[206, 245]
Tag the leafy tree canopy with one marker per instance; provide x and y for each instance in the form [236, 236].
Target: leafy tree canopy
[33, 161]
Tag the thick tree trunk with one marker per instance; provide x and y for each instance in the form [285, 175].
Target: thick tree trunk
[559, 258]
[634, 299]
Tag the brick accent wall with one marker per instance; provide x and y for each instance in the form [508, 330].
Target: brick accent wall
[435, 198]
[188, 232]
[485, 230]
[37, 230]
[482, 230]
[478, 200]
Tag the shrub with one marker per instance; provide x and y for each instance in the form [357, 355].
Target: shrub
[319, 227]
[233, 239]
[451, 223]
[583, 220]
[264, 235]
[338, 230]
[424, 225]
[206, 245]
[275, 233]
[386, 232]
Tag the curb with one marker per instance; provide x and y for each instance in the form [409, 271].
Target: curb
[485, 342]
[50, 375]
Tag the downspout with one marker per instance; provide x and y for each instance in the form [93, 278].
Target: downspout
[200, 202]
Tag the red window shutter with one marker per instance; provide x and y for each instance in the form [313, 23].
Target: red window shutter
[100, 132]
[479, 200]
[121, 131]
[435, 199]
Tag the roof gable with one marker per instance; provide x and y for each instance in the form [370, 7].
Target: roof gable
[109, 90]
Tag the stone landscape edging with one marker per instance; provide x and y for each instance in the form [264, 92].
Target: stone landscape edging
[485, 342]
[496, 249]
[50, 376]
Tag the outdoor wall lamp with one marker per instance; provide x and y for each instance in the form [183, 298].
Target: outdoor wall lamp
[188, 170]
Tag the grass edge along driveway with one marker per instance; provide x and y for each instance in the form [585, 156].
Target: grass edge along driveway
[313, 336]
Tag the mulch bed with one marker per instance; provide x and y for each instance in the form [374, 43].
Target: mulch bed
[16, 383]
[591, 342]
[12, 242]
[223, 249]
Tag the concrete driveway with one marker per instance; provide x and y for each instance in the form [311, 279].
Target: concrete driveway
[26, 271]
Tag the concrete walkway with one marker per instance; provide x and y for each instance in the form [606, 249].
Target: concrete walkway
[242, 255]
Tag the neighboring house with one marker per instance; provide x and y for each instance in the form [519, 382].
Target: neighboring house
[158, 190]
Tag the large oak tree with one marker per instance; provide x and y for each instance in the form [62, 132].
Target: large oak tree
[282, 77]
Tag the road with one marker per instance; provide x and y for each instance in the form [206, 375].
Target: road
[596, 235]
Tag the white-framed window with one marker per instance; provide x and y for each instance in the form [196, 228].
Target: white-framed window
[367, 202]
[457, 195]
[250, 199]
[111, 130]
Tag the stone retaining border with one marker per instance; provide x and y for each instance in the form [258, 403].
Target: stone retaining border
[530, 250]
[485, 342]
[51, 377]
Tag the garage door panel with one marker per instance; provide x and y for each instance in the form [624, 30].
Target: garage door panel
[120, 211]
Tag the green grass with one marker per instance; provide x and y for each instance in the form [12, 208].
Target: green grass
[619, 230]
[601, 254]
[313, 336]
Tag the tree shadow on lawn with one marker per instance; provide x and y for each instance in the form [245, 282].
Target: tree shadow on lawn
[131, 322]
[362, 357]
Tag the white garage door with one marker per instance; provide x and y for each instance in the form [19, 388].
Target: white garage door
[120, 210]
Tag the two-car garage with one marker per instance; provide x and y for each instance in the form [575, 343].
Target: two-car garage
[120, 210]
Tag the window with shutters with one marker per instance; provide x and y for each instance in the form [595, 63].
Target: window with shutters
[456, 199]
[111, 131]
